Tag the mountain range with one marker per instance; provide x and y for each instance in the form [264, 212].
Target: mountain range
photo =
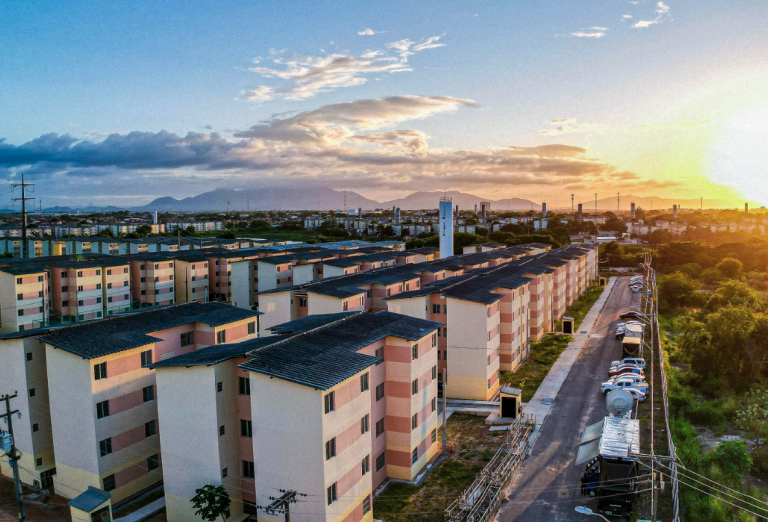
[319, 198]
[651, 203]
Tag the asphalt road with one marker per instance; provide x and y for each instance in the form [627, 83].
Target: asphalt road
[548, 486]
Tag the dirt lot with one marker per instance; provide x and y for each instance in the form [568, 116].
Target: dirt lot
[55, 510]
[470, 445]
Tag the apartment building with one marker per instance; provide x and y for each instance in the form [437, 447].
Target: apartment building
[344, 401]
[86, 290]
[152, 280]
[102, 396]
[191, 278]
[23, 297]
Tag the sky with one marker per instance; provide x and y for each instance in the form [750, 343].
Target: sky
[117, 103]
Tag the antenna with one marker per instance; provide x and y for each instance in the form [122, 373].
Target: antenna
[571, 203]
[618, 201]
[23, 200]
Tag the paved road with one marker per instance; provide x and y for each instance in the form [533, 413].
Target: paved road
[548, 486]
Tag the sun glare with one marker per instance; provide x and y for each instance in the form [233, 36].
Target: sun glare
[740, 154]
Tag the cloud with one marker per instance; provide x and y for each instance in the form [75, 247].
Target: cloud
[367, 32]
[598, 34]
[662, 11]
[301, 77]
[569, 125]
[356, 145]
[645, 23]
[626, 17]
[598, 28]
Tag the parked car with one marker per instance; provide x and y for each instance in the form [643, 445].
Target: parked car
[631, 315]
[635, 361]
[624, 384]
[620, 331]
[616, 370]
[629, 377]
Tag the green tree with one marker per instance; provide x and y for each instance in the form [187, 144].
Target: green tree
[678, 290]
[211, 502]
[732, 457]
[735, 293]
[725, 355]
[730, 267]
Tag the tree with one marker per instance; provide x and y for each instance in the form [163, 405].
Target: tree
[730, 267]
[614, 224]
[677, 290]
[735, 293]
[388, 231]
[733, 458]
[211, 502]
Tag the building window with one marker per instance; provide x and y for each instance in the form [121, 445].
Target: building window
[32, 392]
[222, 430]
[249, 508]
[380, 391]
[380, 354]
[187, 338]
[303, 302]
[102, 409]
[364, 385]
[379, 427]
[415, 387]
[18, 280]
[434, 435]
[150, 428]
[98, 286]
[415, 421]
[248, 471]
[20, 313]
[149, 393]
[35, 427]
[105, 447]
[364, 425]
[246, 429]
[435, 308]
[40, 279]
[366, 464]
[146, 358]
[445, 355]
[434, 372]
[153, 462]
[415, 456]
[29, 356]
[330, 449]
[434, 403]
[252, 328]
[80, 288]
[219, 387]
[489, 384]
[381, 461]
[244, 386]
[64, 289]
[415, 352]
[109, 483]
[221, 337]
[329, 402]
[224, 473]
[39, 461]
[366, 503]
[331, 494]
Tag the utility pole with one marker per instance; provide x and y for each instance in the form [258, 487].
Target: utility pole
[23, 200]
[282, 504]
[13, 455]
[618, 201]
[571, 203]
[445, 412]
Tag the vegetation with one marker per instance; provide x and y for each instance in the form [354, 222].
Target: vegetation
[470, 447]
[532, 372]
[211, 502]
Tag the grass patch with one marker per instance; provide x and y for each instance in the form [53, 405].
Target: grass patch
[470, 446]
[581, 307]
[532, 372]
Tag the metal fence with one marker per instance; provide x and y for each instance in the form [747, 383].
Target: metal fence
[481, 500]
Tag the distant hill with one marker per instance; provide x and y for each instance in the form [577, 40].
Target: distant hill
[429, 200]
[271, 198]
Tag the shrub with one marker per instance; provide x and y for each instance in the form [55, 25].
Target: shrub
[688, 446]
[732, 457]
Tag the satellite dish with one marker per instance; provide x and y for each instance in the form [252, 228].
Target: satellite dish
[619, 402]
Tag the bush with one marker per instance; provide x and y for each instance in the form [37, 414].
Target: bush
[732, 457]
[707, 414]
[684, 435]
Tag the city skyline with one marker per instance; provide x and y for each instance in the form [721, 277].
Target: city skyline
[111, 106]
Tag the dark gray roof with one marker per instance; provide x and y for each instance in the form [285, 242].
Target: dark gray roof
[342, 263]
[23, 269]
[310, 323]
[323, 358]
[89, 499]
[215, 354]
[103, 337]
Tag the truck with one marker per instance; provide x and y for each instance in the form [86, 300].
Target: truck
[610, 449]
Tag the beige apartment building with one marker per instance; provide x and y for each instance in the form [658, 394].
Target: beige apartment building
[23, 297]
[344, 401]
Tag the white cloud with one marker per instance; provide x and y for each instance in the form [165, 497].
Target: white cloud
[569, 125]
[597, 34]
[662, 11]
[598, 28]
[662, 8]
[626, 17]
[367, 32]
[645, 23]
[305, 76]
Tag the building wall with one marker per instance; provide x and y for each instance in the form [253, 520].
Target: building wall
[303, 273]
[276, 307]
[242, 284]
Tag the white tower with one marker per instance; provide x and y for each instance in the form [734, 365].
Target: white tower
[445, 224]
